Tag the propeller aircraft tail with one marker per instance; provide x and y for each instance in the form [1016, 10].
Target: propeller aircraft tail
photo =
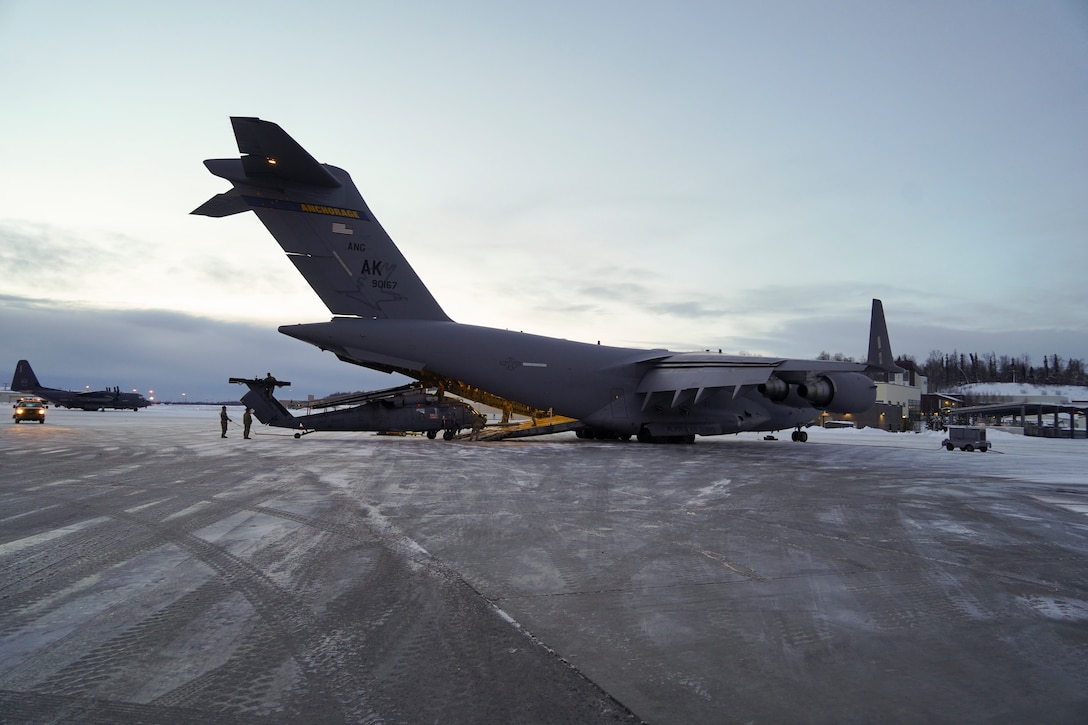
[24, 378]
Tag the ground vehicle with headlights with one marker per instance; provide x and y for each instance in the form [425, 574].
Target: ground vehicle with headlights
[29, 409]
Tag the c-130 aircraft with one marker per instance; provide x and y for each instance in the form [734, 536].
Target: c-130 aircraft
[26, 381]
[386, 319]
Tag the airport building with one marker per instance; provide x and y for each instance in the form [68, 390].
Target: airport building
[1045, 411]
[898, 403]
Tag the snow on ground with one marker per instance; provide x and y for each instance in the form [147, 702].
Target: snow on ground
[1067, 393]
[1041, 460]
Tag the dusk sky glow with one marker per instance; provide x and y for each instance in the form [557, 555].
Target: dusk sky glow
[691, 175]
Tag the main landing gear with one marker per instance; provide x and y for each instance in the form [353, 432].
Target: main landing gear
[599, 434]
[799, 436]
[645, 436]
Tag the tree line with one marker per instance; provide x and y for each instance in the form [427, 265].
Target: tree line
[947, 370]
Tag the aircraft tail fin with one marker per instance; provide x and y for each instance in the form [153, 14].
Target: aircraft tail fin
[267, 409]
[320, 219]
[880, 349]
[24, 379]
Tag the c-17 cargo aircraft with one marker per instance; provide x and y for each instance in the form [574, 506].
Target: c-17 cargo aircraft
[25, 381]
[386, 319]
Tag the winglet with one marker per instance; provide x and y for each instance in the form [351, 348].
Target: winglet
[880, 348]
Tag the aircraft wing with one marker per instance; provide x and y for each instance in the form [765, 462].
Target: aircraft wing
[695, 376]
[687, 379]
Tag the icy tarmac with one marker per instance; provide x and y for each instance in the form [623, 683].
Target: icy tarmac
[151, 571]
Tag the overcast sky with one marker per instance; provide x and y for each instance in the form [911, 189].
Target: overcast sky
[689, 175]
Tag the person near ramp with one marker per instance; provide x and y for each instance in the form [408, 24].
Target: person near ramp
[223, 421]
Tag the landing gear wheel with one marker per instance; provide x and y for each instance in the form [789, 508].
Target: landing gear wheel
[447, 435]
[799, 436]
[432, 434]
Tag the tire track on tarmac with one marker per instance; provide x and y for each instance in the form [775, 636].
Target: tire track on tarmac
[101, 548]
[408, 640]
[289, 627]
[287, 619]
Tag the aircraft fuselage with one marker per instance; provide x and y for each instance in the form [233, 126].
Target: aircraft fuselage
[94, 400]
[597, 384]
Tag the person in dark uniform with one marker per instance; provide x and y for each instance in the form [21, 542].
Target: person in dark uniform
[269, 385]
[247, 421]
[223, 420]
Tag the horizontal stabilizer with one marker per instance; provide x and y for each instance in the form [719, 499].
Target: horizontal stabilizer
[222, 205]
[270, 152]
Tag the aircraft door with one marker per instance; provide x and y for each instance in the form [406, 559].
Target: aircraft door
[619, 403]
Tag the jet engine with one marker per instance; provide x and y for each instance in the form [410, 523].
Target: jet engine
[779, 391]
[840, 392]
[775, 388]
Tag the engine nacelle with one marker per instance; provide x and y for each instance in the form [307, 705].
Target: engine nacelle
[840, 392]
[775, 388]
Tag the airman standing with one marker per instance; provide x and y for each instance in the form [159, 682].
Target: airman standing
[223, 420]
[269, 385]
[247, 421]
